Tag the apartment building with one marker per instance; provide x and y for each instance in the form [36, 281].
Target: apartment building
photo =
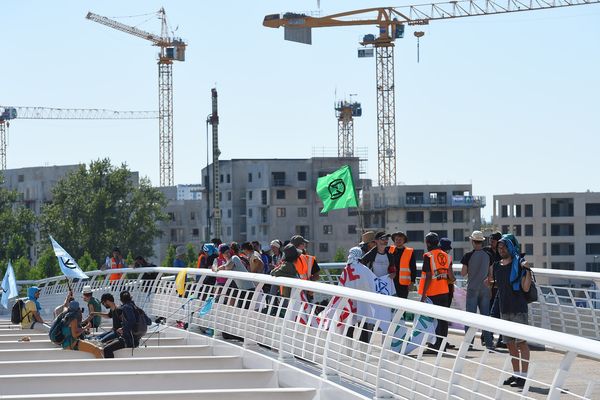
[556, 230]
[451, 211]
[266, 199]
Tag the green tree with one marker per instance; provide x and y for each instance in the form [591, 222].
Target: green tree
[341, 255]
[47, 265]
[191, 256]
[86, 262]
[99, 207]
[169, 257]
[16, 227]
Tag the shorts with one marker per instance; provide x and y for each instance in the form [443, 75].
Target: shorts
[520, 318]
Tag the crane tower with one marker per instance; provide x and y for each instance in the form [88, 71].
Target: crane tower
[391, 22]
[345, 112]
[171, 49]
[213, 120]
[8, 113]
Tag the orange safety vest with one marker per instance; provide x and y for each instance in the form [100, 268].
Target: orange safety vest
[304, 265]
[439, 264]
[200, 260]
[115, 265]
[404, 267]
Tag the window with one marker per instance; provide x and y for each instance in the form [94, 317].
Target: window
[458, 254]
[592, 229]
[229, 213]
[249, 176]
[545, 250]
[280, 211]
[438, 216]
[562, 249]
[564, 265]
[326, 214]
[419, 255]
[302, 212]
[543, 207]
[252, 230]
[302, 194]
[592, 209]
[301, 176]
[221, 178]
[220, 196]
[561, 207]
[544, 230]
[592, 248]
[176, 235]
[322, 173]
[171, 216]
[528, 230]
[228, 178]
[195, 232]
[458, 216]
[280, 194]
[228, 196]
[228, 231]
[529, 249]
[323, 247]
[414, 217]
[20, 178]
[458, 235]
[192, 215]
[561, 229]
[259, 175]
[414, 198]
[351, 229]
[504, 211]
[517, 230]
[518, 210]
[415, 236]
[505, 229]
[263, 216]
[249, 213]
[249, 194]
[278, 178]
[441, 234]
[528, 210]
[592, 267]
[327, 229]
[263, 197]
[302, 230]
[352, 212]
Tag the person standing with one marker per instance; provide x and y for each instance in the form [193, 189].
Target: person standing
[115, 262]
[446, 245]
[379, 259]
[434, 283]
[405, 262]
[476, 267]
[311, 261]
[253, 257]
[367, 241]
[492, 249]
[513, 279]
[180, 259]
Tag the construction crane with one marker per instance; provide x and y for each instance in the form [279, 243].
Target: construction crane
[391, 22]
[345, 112]
[8, 113]
[213, 120]
[171, 49]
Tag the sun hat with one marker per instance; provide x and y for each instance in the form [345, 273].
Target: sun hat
[87, 289]
[477, 236]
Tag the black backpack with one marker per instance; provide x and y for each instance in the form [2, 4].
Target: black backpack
[16, 313]
[140, 327]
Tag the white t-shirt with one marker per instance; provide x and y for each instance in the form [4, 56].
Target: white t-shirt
[381, 264]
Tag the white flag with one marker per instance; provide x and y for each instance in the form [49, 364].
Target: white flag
[423, 332]
[9, 286]
[67, 264]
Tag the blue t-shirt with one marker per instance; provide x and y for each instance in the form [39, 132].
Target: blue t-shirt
[177, 263]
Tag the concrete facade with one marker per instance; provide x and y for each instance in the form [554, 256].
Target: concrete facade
[556, 230]
[266, 199]
[449, 210]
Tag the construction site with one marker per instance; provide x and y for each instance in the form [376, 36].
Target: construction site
[411, 101]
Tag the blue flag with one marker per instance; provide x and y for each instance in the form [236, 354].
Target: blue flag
[67, 264]
[9, 286]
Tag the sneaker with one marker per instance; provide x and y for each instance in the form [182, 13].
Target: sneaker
[520, 382]
[430, 351]
[510, 380]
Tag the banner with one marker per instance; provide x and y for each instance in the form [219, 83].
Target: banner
[67, 264]
[423, 332]
[337, 190]
[9, 286]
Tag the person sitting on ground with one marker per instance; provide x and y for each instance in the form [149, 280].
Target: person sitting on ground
[74, 334]
[30, 315]
[126, 337]
[114, 312]
[92, 321]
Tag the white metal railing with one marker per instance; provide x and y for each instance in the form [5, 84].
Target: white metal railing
[295, 328]
[569, 301]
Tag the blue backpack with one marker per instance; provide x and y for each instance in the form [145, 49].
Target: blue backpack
[56, 330]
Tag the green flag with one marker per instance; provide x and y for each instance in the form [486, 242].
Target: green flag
[337, 190]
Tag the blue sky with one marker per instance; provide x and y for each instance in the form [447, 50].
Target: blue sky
[508, 103]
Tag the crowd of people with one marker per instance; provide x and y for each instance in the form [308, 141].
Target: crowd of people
[497, 280]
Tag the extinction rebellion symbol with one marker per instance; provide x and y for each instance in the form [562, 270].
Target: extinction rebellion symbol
[337, 188]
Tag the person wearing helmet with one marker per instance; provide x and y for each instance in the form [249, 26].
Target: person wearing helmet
[434, 283]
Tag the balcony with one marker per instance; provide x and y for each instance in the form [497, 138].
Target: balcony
[278, 182]
[421, 202]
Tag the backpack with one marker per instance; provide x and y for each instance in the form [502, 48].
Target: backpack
[245, 262]
[140, 327]
[16, 313]
[56, 330]
[532, 295]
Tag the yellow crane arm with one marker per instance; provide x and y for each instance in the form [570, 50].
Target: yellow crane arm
[157, 40]
[417, 14]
